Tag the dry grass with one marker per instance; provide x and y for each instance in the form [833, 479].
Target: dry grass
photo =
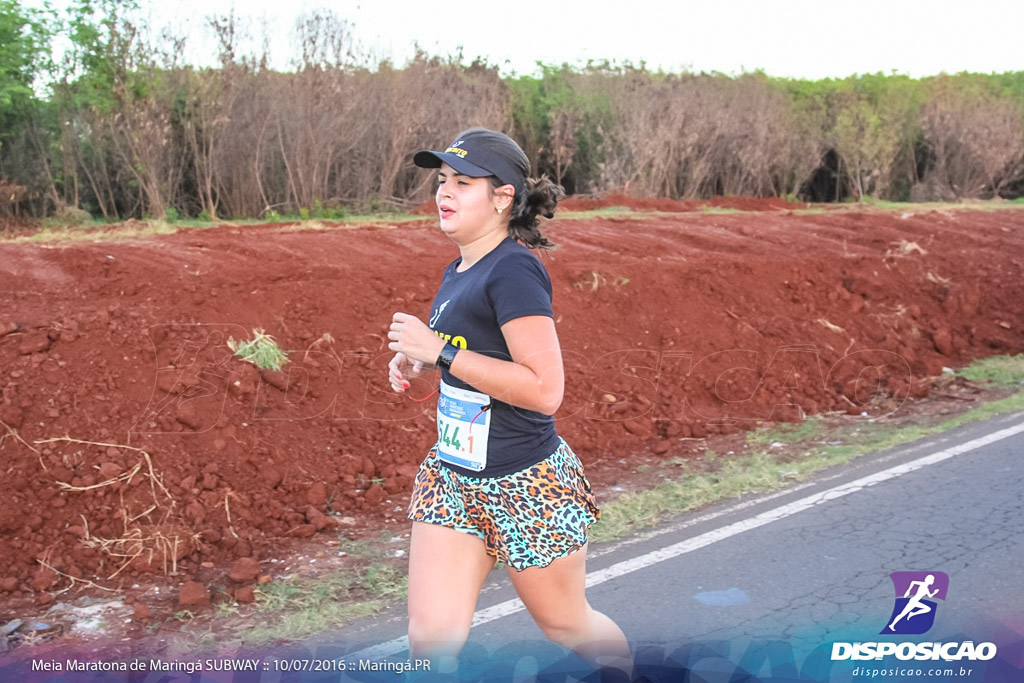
[127, 230]
[161, 542]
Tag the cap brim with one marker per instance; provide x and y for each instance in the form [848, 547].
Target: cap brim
[429, 159]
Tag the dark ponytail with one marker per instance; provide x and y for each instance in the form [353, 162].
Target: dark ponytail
[541, 199]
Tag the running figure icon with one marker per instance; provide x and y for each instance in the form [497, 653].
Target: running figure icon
[914, 606]
[916, 594]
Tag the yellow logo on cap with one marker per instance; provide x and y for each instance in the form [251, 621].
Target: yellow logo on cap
[456, 150]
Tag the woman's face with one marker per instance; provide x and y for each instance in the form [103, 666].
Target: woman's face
[467, 206]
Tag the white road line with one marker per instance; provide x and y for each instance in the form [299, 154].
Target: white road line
[678, 526]
[510, 607]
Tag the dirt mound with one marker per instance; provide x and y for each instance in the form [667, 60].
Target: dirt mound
[755, 203]
[133, 442]
[427, 208]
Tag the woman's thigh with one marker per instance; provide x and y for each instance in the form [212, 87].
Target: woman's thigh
[447, 568]
[555, 595]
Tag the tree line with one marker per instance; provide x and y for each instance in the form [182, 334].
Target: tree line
[123, 127]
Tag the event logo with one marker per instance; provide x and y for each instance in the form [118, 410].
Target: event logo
[914, 611]
[913, 614]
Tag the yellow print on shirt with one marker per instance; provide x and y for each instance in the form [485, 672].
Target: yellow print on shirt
[458, 341]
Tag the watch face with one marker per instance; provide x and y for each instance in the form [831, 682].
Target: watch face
[447, 356]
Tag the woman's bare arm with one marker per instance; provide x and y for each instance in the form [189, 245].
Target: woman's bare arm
[534, 379]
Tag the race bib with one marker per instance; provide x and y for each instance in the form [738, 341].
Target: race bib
[463, 422]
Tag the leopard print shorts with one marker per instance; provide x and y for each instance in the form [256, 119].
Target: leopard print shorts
[526, 519]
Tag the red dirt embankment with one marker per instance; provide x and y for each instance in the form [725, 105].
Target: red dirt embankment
[673, 327]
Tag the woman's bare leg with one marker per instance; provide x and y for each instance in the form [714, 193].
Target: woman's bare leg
[447, 569]
[555, 597]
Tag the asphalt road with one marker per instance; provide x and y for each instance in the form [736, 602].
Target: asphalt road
[765, 586]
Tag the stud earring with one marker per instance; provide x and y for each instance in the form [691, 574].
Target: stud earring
[499, 211]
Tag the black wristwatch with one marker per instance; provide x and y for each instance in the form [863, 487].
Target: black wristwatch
[447, 355]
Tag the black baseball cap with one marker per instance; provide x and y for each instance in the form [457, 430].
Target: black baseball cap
[479, 152]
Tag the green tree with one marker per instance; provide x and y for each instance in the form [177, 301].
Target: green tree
[873, 129]
[24, 42]
[25, 36]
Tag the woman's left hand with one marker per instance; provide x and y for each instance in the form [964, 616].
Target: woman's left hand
[411, 336]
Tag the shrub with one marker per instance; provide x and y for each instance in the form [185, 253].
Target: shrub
[72, 215]
[262, 351]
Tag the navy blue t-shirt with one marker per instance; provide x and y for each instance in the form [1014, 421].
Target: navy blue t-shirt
[469, 310]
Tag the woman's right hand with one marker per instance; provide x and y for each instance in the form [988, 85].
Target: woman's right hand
[401, 370]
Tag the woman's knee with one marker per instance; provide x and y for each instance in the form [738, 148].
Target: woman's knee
[565, 627]
[428, 633]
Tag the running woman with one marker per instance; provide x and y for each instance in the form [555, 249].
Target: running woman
[500, 483]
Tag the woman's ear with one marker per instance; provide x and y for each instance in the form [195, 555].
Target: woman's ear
[504, 197]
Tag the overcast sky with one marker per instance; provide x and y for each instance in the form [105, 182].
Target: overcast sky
[794, 38]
